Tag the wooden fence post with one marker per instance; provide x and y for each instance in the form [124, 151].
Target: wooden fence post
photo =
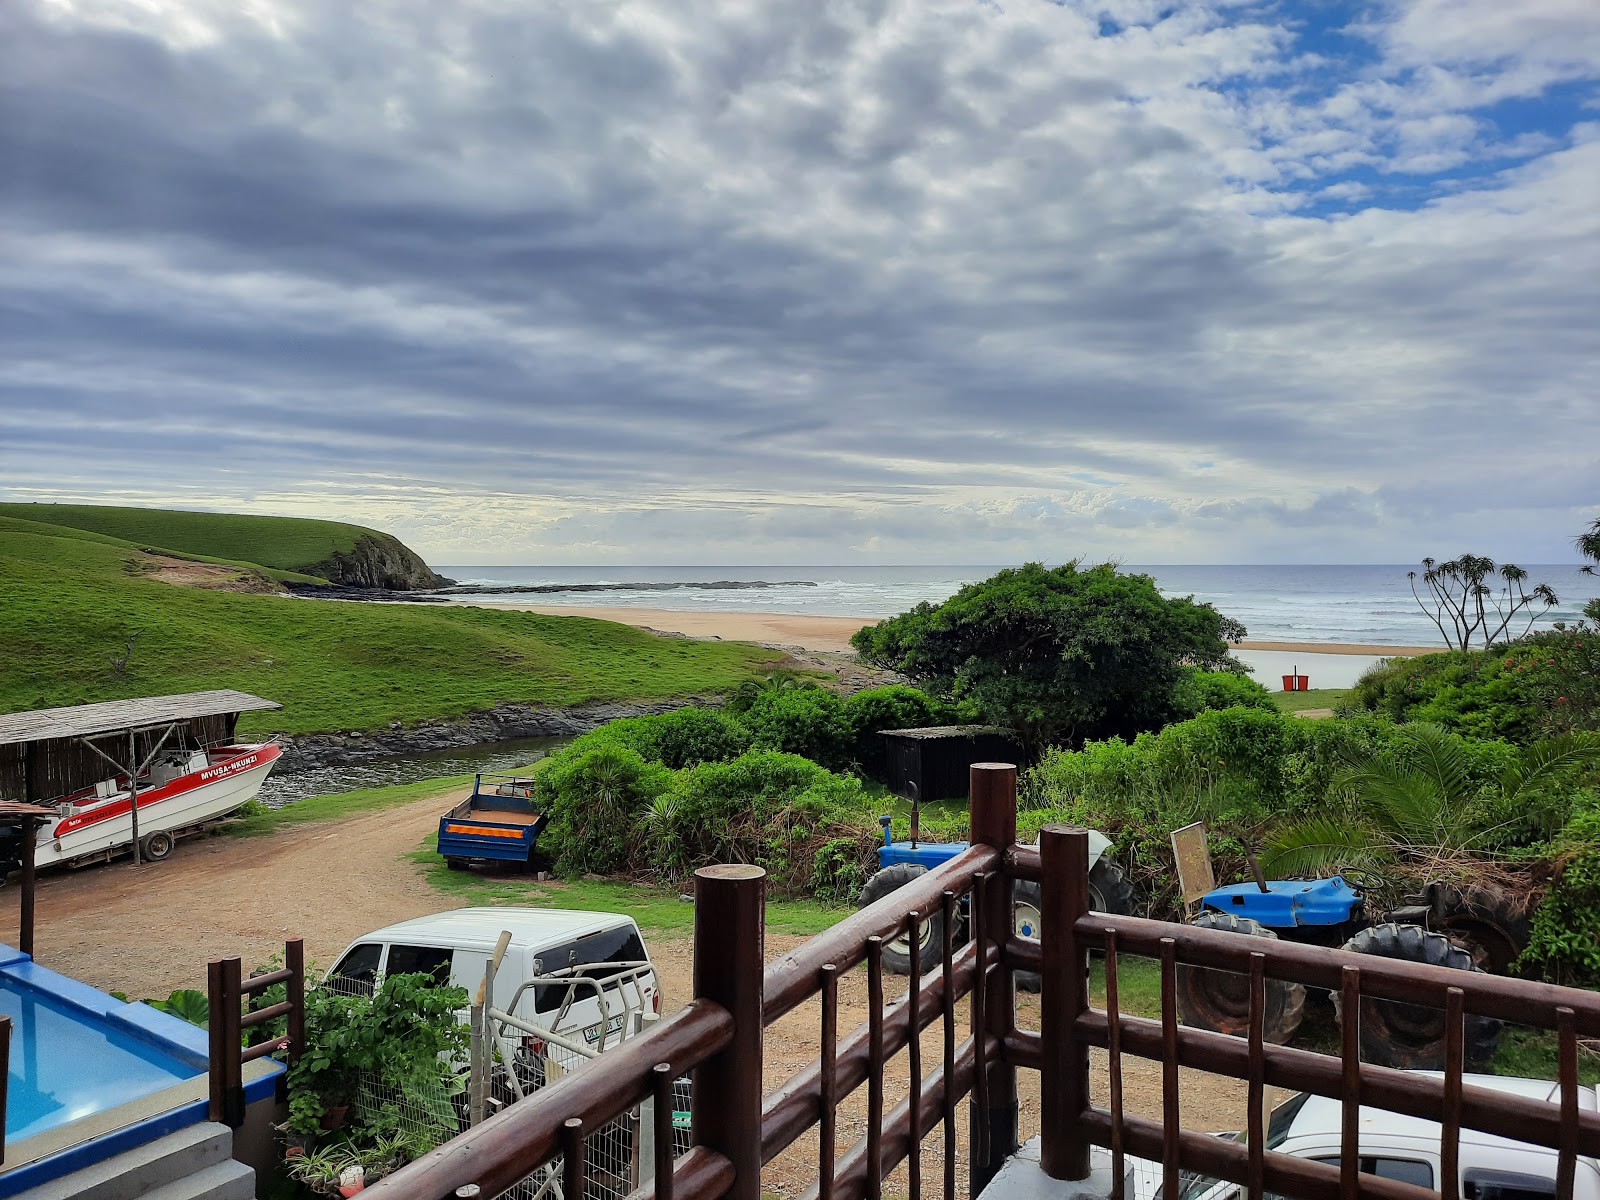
[1064, 996]
[730, 916]
[994, 823]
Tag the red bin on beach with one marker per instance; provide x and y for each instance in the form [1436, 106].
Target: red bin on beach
[1297, 683]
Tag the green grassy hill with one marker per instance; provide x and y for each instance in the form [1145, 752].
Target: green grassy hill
[69, 600]
[294, 544]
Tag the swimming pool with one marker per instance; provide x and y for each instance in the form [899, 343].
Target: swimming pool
[91, 1076]
[64, 1067]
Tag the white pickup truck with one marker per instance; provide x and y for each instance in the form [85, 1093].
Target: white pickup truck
[580, 972]
[1404, 1148]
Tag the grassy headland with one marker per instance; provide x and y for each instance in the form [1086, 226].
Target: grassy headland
[70, 599]
[297, 549]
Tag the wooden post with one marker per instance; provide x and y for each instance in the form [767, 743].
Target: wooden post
[994, 823]
[1064, 996]
[133, 793]
[294, 957]
[214, 1029]
[730, 914]
[30, 843]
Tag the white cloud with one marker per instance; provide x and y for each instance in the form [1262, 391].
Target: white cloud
[895, 278]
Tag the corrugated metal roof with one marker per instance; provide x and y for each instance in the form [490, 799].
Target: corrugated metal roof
[950, 731]
[81, 720]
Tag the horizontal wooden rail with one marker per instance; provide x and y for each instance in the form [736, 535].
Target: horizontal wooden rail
[514, 1143]
[1520, 1001]
[260, 983]
[260, 1016]
[1208, 1154]
[796, 1106]
[795, 977]
[1517, 1117]
[701, 1174]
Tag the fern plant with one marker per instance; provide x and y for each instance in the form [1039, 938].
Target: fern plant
[1426, 804]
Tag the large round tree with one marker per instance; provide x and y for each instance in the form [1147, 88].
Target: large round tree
[1059, 654]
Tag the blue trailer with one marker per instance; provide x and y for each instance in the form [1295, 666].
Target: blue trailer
[499, 822]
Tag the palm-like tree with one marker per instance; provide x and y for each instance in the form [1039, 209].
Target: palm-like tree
[1589, 546]
[1424, 807]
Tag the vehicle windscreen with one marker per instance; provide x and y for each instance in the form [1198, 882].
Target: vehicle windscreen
[357, 972]
[1192, 1187]
[621, 944]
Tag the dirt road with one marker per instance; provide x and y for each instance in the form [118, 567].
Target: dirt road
[148, 930]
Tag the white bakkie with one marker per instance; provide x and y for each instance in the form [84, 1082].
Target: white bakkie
[561, 949]
[1403, 1148]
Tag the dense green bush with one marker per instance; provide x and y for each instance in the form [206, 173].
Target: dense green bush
[1565, 947]
[1061, 655]
[1199, 691]
[810, 722]
[596, 795]
[1241, 770]
[868, 713]
[807, 826]
[1543, 685]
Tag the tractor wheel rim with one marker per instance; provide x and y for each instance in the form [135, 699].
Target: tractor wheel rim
[1027, 922]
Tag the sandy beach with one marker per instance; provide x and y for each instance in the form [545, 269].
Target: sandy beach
[833, 633]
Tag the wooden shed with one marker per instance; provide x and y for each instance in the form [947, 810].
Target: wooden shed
[935, 763]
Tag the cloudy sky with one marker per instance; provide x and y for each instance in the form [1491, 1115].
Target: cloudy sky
[734, 281]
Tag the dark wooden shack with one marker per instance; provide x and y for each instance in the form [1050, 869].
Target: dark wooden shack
[935, 763]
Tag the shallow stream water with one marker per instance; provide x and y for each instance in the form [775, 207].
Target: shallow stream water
[508, 755]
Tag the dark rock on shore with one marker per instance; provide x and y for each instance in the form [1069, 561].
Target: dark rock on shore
[378, 560]
[311, 751]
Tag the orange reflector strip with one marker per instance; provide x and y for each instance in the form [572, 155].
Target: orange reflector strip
[484, 831]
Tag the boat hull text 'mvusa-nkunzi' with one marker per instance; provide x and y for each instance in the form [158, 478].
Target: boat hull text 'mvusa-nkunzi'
[129, 774]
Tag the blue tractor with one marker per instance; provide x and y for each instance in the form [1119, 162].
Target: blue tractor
[1466, 927]
[901, 862]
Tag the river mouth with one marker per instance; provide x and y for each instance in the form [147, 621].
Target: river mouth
[509, 755]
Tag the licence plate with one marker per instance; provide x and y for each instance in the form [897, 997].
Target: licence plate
[592, 1033]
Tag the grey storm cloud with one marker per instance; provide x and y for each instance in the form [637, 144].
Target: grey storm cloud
[873, 279]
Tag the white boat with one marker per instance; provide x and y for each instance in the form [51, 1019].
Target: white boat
[178, 793]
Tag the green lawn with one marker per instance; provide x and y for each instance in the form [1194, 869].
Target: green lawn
[286, 543]
[71, 601]
[1292, 702]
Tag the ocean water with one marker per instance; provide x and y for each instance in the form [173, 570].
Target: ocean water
[1360, 604]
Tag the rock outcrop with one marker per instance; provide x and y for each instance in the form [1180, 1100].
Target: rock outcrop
[378, 560]
[311, 751]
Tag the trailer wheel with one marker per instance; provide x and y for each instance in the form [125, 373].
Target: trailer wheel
[1220, 1000]
[1491, 925]
[897, 953]
[456, 864]
[156, 846]
[1412, 1036]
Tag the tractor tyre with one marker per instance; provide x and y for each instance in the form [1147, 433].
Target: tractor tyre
[1491, 925]
[897, 952]
[1220, 1000]
[1109, 892]
[1412, 1036]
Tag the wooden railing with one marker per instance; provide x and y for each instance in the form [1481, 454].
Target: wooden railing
[735, 1131]
[228, 993]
